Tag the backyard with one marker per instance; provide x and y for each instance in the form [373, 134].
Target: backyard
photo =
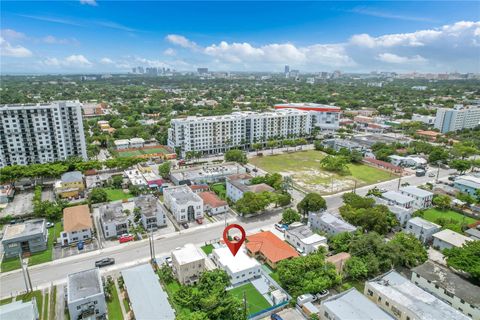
[220, 190]
[255, 301]
[117, 194]
[448, 219]
[304, 168]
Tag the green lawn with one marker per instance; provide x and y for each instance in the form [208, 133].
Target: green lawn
[304, 167]
[359, 285]
[207, 249]
[39, 257]
[220, 190]
[457, 220]
[45, 308]
[117, 194]
[128, 154]
[5, 301]
[114, 309]
[28, 297]
[255, 301]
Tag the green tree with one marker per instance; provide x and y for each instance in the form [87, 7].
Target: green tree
[252, 203]
[164, 169]
[466, 258]
[354, 200]
[289, 216]
[98, 195]
[271, 145]
[282, 199]
[355, 268]
[117, 181]
[464, 149]
[312, 202]
[340, 242]
[442, 201]
[377, 218]
[460, 165]
[335, 164]
[236, 156]
[257, 147]
[438, 154]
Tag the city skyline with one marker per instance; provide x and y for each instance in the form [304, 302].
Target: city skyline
[100, 36]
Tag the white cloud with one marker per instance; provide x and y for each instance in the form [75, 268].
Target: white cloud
[54, 40]
[9, 50]
[89, 2]
[74, 61]
[12, 34]
[393, 58]
[388, 15]
[106, 61]
[169, 52]
[181, 41]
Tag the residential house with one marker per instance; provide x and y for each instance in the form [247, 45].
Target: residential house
[423, 198]
[184, 204]
[137, 143]
[147, 298]
[188, 263]
[303, 239]
[77, 225]
[402, 214]
[240, 267]
[20, 310]
[267, 247]
[401, 200]
[85, 296]
[447, 239]
[71, 184]
[25, 238]
[237, 185]
[448, 286]
[329, 223]
[198, 188]
[404, 300]
[422, 229]
[408, 161]
[135, 177]
[350, 305]
[212, 203]
[115, 219]
[152, 213]
[473, 233]
[121, 144]
[339, 260]
[467, 184]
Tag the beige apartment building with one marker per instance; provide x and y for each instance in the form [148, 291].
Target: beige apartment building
[188, 264]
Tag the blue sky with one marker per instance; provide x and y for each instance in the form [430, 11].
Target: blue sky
[113, 36]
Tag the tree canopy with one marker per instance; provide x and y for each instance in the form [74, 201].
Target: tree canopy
[312, 202]
[466, 258]
[236, 156]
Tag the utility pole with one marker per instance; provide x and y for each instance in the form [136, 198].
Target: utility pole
[153, 247]
[438, 170]
[400, 178]
[23, 271]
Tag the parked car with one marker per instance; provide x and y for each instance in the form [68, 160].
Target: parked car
[49, 224]
[80, 245]
[275, 316]
[185, 225]
[322, 294]
[104, 262]
[451, 178]
[432, 174]
[126, 238]
[168, 261]
[280, 227]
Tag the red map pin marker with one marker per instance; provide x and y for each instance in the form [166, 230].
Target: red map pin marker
[234, 245]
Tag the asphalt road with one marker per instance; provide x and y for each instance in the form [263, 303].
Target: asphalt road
[137, 252]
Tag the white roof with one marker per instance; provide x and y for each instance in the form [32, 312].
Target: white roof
[189, 253]
[425, 224]
[241, 261]
[120, 142]
[451, 237]
[417, 159]
[314, 238]
[470, 181]
[137, 140]
[397, 197]
[416, 191]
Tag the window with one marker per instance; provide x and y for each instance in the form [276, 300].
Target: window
[462, 301]
[387, 303]
[370, 292]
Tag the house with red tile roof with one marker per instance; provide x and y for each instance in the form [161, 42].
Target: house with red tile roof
[267, 247]
[212, 204]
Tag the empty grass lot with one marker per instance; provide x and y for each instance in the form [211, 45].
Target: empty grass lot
[133, 153]
[117, 194]
[457, 220]
[113, 306]
[304, 168]
[255, 301]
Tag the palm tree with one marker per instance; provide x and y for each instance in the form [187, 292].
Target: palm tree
[257, 147]
[272, 144]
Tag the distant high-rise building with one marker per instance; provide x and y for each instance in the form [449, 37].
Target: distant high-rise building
[140, 70]
[134, 70]
[202, 70]
[41, 133]
[287, 69]
[458, 118]
[325, 117]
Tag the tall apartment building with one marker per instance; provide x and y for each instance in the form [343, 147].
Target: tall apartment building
[216, 134]
[41, 133]
[325, 117]
[458, 118]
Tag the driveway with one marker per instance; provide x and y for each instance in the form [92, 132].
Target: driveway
[63, 252]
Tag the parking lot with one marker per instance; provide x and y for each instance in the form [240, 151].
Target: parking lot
[21, 204]
[60, 252]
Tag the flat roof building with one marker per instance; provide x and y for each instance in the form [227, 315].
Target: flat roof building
[447, 239]
[399, 199]
[448, 286]
[240, 267]
[304, 239]
[184, 204]
[329, 223]
[188, 263]
[422, 229]
[325, 117]
[20, 310]
[147, 298]
[85, 296]
[401, 298]
[350, 305]
[24, 238]
[206, 173]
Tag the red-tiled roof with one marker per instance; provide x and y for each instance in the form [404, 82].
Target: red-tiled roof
[270, 246]
[211, 199]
